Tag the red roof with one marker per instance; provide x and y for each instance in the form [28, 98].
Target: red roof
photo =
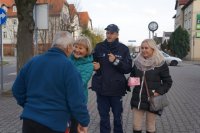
[8, 3]
[10, 12]
[72, 10]
[55, 6]
[182, 2]
[84, 19]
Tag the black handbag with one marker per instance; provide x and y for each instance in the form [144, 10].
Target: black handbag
[157, 103]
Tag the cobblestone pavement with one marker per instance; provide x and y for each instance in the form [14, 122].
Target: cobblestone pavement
[181, 116]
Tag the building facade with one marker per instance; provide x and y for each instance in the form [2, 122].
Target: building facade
[61, 16]
[188, 17]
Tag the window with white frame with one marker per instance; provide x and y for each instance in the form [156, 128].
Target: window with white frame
[14, 9]
[4, 8]
[4, 34]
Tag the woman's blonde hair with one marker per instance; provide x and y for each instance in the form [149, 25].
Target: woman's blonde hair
[85, 41]
[159, 58]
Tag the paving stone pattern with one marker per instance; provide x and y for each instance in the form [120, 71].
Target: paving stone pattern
[181, 116]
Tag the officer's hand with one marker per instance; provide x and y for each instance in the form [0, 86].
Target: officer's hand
[96, 65]
[111, 57]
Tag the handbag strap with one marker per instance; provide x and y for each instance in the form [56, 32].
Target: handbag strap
[147, 89]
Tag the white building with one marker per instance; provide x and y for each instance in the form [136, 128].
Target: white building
[62, 16]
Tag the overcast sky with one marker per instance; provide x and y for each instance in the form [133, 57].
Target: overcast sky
[131, 16]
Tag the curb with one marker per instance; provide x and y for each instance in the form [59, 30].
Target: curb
[7, 89]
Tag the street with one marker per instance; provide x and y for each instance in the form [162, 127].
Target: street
[9, 73]
[9, 70]
[181, 116]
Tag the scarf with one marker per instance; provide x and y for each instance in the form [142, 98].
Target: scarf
[145, 64]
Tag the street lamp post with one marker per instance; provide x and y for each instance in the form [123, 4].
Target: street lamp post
[193, 44]
[3, 18]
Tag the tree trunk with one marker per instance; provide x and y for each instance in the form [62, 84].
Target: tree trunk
[25, 31]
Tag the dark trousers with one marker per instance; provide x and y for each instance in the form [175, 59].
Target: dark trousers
[104, 103]
[30, 126]
[74, 125]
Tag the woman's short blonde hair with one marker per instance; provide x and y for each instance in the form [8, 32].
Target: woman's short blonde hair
[156, 54]
[85, 41]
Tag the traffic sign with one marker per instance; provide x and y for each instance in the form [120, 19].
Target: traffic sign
[3, 16]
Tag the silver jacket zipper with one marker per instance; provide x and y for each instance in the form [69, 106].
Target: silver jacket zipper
[140, 95]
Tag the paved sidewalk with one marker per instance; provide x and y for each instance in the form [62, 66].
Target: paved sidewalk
[181, 116]
[11, 60]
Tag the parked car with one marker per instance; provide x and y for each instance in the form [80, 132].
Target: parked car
[133, 55]
[171, 60]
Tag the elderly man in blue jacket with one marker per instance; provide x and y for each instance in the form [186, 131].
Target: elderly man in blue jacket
[49, 88]
[111, 61]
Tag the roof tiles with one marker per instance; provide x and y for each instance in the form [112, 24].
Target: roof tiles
[84, 19]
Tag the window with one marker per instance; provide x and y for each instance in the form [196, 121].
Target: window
[5, 8]
[4, 34]
[14, 21]
[65, 18]
[178, 11]
[50, 6]
[15, 34]
[14, 9]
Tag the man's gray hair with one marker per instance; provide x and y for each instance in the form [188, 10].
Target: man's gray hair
[63, 39]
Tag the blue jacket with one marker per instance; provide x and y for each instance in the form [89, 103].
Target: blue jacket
[110, 80]
[85, 67]
[49, 88]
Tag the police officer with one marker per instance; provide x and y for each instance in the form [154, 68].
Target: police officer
[111, 61]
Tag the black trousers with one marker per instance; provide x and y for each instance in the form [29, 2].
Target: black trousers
[104, 104]
[74, 125]
[30, 126]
